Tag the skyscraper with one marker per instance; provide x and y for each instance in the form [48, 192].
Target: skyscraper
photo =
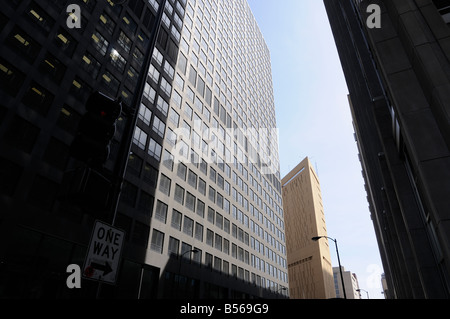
[395, 58]
[309, 262]
[200, 201]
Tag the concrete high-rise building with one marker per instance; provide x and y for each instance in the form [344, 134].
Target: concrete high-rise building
[309, 262]
[350, 282]
[396, 61]
[201, 197]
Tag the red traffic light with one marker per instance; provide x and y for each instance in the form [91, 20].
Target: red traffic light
[103, 106]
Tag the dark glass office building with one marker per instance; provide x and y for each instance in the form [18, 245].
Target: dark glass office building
[396, 63]
[200, 200]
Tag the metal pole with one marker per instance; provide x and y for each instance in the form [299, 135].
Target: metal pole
[127, 138]
[340, 268]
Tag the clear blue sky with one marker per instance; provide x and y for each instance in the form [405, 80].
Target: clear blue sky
[314, 120]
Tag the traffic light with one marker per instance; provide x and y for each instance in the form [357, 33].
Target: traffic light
[96, 130]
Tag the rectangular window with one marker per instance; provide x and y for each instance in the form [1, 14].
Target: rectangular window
[188, 226]
[192, 179]
[145, 114]
[140, 138]
[24, 44]
[176, 219]
[38, 98]
[190, 201]
[168, 160]
[157, 241]
[159, 126]
[99, 42]
[200, 208]
[161, 211]
[164, 184]
[154, 149]
[209, 237]
[198, 231]
[174, 246]
[179, 194]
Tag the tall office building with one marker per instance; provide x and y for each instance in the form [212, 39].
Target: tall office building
[201, 196]
[309, 262]
[395, 57]
[350, 282]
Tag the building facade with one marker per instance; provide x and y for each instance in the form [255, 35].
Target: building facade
[396, 64]
[309, 262]
[350, 282]
[200, 201]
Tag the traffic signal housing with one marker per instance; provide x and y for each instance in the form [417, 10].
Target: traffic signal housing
[96, 130]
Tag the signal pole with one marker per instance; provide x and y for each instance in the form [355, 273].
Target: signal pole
[132, 116]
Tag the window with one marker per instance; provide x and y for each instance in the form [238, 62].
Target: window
[154, 149]
[117, 60]
[190, 201]
[218, 242]
[210, 216]
[65, 42]
[164, 184]
[140, 138]
[202, 186]
[157, 241]
[198, 231]
[159, 126]
[153, 73]
[166, 87]
[200, 208]
[226, 246]
[179, 194]
[99, 42]
[209, 237]
[174, 117]
[129, 23]
[107, 23]
[171, 137]
[134, 164]
[192, 179]
[38, 98]
[145, 204]
[162, 105]
[138, 57]
[124, 42]
[212, 194]
[150, 175]
[181, 172]
[40, 17]
[193, 76]
[176, 219]
[188, 226]
[161, 211]
[174, 245]
[11, 79]
[168, 160]
[157, 56]
[169, 69]
[52, 67]
[149, 93]
[145, 114]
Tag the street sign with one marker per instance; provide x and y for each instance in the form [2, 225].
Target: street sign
[103, 256]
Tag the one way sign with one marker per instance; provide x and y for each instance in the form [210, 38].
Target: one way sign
[103, 256]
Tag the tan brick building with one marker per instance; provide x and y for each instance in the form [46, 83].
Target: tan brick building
[309, 263]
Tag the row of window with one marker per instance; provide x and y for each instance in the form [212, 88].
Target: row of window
[217, 263]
